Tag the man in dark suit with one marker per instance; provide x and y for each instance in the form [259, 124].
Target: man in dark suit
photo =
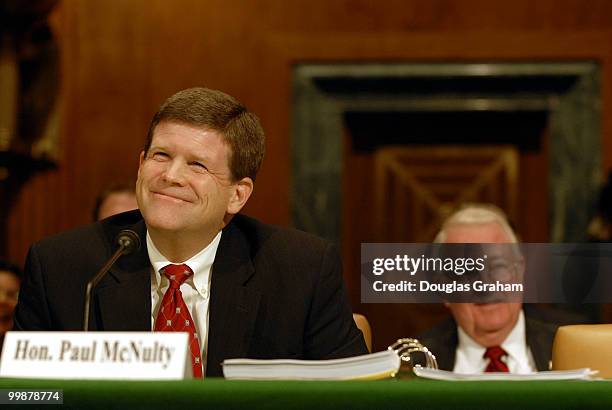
[238, 287]
[488, 336]
[443, 341]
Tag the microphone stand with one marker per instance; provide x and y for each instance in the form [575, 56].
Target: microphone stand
[128, 242]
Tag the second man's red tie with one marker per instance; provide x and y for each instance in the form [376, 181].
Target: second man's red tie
[495, 355]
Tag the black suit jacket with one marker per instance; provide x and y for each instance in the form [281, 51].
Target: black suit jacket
[275, 293]
[443, 340]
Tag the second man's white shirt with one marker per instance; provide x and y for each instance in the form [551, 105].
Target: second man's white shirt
[470, 359]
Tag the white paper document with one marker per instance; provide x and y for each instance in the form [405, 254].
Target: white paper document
[577, 374]
[366, 367]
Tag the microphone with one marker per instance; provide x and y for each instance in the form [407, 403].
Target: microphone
[128, 242]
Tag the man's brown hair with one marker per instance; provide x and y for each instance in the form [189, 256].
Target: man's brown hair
[217, 111]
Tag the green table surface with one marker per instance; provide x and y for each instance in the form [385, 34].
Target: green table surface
[385, 394]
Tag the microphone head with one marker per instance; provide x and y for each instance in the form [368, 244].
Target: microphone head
[129, 241]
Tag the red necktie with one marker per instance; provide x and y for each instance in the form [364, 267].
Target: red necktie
[173, 315]
[496, 364]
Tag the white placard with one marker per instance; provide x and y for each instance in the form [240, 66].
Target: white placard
[96, 355]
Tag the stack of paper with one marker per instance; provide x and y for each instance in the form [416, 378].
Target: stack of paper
[370, 366]
[436, 374]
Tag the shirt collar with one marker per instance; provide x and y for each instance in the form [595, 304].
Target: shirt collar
[515, 343]
[199, 263]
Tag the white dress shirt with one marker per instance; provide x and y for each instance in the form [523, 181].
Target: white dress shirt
[195, 290]
[470, 355]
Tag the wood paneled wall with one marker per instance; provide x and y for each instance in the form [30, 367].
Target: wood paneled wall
[121, 59]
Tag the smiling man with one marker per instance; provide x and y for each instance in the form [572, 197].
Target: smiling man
[488, 337]
[239, 288]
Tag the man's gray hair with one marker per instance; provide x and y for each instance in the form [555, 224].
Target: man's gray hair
[477, 214]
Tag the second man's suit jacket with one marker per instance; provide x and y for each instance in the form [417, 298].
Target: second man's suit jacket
[443, 340]
[275, 293]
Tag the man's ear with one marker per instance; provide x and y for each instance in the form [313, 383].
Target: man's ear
[141, 160]
[241, 192]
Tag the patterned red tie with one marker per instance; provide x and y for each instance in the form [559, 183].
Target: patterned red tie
[496, 364]
[174, 316]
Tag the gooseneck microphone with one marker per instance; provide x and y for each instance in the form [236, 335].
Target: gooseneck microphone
[128, 242]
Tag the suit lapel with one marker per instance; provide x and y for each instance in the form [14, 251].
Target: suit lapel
[539, 340]
[123, 297]
[233, 303]
[447, 346]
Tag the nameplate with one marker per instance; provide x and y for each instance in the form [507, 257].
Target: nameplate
[96, 355]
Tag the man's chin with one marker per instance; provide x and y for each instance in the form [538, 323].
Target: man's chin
[494, 318]
[489, 305]
[165, 223]
[166, 228]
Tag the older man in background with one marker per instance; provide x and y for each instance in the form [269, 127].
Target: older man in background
[487, 337]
